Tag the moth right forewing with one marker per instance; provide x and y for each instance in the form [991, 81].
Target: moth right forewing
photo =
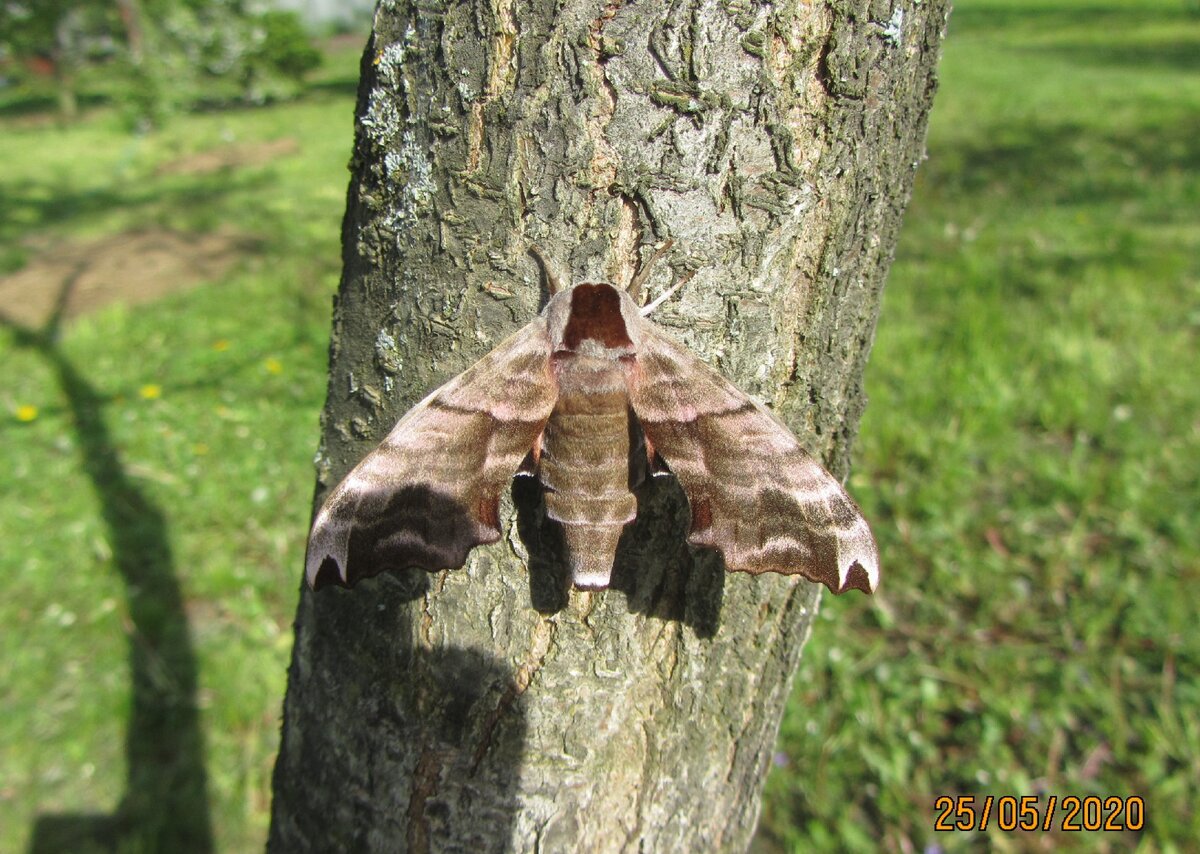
[755, 493]
[512, 383]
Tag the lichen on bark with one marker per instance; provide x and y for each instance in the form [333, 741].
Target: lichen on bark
[775, 144]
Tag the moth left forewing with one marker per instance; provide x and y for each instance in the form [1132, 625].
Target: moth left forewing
[429, 493]
[755, 493]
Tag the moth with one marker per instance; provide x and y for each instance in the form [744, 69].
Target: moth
[588, 398]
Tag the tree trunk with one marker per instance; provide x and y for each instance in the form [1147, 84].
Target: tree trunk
[484, 709]
[66, 57]
[131, 20]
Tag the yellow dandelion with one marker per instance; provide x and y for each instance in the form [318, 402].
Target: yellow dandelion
[221, 345]
[26, 412]
[273, 366]
[199, 449]
[150, 391]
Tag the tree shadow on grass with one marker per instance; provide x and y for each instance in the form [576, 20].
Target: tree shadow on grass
[1172, 54]
[340, 88]
[165, 805]
[25, 101]
[1061, 162]
[32, 204]
[1040, 18]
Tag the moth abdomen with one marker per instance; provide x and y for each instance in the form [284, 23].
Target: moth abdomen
[585, 466]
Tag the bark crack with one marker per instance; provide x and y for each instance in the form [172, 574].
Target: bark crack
[425, 785]
[541, 639]
[603, 165]
[649, 773]
[426, 621]
[502, 50]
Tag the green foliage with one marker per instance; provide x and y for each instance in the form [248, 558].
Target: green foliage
[171, 56]
[1030, 455]
[30, 27]
[214, 54]
[284, 47]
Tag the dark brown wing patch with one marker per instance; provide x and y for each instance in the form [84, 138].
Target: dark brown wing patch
[411, 526]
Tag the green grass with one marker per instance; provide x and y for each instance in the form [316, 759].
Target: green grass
[165, 474]
[1030, 455]
[1029, 459]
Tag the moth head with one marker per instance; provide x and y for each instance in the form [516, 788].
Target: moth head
[596, 317]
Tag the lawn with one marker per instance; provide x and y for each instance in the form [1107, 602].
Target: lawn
[157, 458]
[1030, 454]
[1029, 457]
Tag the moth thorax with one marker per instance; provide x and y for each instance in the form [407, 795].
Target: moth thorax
[593, 349]
[595, 319]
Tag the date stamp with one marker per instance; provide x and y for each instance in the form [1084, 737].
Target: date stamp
[1043, 813]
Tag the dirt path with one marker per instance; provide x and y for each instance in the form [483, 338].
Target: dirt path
[134, 267]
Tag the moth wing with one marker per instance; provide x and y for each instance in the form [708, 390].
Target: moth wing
[430, 492]
[755, 493]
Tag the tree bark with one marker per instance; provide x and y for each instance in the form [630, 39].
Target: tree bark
[486, 709]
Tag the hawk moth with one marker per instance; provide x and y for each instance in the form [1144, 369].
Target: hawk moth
[587, 398]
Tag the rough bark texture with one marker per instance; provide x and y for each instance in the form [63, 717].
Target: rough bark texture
[485, 709]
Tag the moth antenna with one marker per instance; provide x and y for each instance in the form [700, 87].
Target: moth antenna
[553, 282]
[667, 294]
[639, 278]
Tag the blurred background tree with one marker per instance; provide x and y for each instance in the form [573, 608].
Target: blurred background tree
[55, 38]
[174, 55]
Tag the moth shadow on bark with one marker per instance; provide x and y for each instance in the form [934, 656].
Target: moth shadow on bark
[453, 727]
[662, 575]
[657, 571]
[549, 579]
